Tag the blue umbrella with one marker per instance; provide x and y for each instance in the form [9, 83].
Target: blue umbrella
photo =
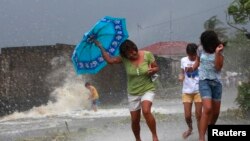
[110, 32]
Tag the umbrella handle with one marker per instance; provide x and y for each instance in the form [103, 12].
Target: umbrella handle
[97, 43]
[91, 38]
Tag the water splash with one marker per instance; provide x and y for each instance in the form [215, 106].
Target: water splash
[70, 96]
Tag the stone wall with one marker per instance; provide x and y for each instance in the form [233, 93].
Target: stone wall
[23, 73]
[28, 75]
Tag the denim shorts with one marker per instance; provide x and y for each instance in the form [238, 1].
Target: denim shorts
[211, 89]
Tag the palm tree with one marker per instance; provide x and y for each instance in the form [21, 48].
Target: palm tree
[215, 24]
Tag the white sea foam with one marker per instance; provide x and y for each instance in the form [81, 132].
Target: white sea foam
[71, 96]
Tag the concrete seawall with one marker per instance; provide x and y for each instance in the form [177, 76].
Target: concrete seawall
[26, 77]
[23, 75]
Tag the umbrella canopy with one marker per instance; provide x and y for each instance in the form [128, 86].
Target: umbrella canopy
[110, 32]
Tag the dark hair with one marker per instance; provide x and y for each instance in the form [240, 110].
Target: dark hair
[191, 48]
[209, 40]
[87, 84]
[126, 46]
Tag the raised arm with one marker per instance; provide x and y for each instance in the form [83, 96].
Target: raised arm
[219, 58]
[195, 65]
[109, 59]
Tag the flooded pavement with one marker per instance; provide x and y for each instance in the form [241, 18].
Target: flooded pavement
[107, 124]
[170, 128]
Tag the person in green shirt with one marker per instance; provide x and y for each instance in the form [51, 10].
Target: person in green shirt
[140, 67]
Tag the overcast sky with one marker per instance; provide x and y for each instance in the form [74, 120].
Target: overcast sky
[46, 22]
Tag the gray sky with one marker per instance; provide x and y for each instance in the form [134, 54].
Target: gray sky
[43, 22]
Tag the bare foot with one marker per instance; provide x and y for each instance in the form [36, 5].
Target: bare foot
[186, 134]
[155, 138]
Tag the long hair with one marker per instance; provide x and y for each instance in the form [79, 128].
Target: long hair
[209, 40]
[126, 46]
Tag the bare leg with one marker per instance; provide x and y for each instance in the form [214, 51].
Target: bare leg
[215, 112]
[188, 119]
[205, 117]
[135, 123]
[95, 108]
[198, 111]
[146, 110]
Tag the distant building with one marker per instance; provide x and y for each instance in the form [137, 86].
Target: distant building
[173, 50]
[169, 49]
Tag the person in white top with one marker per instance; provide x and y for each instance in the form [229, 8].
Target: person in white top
[190, 88]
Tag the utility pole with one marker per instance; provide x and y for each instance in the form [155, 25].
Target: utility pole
[170, 24]
[138, 34]
[170, 28]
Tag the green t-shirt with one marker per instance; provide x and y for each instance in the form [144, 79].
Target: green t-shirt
[138, 81]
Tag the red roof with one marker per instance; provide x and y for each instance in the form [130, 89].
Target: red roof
[167, 48]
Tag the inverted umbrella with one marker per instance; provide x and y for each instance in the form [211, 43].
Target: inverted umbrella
[110, 32]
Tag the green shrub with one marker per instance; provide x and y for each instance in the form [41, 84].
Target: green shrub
[243, 97]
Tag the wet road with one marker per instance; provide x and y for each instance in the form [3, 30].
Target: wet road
[107, 124]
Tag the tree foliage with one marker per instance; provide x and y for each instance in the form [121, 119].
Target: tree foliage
[243, 97]
[237, 60]
[240, 11]
[237, 55]
[217, 25]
